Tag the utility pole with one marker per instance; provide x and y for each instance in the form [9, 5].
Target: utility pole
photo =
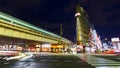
[61, 32]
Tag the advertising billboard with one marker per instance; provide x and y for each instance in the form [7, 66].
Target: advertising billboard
[115, 39]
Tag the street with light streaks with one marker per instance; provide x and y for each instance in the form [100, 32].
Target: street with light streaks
[51, 60]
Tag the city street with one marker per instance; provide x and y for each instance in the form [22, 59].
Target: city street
[60, 34]
[54, 60]
[47, 61]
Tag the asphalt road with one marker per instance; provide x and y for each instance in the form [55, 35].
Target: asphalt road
[50, 60]
[102, 60]
[47, 61]
[110, 57]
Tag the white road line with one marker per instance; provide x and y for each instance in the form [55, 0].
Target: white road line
[99, 62]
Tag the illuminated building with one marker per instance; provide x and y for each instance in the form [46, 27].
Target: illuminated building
[116, 43]
[95, 41]
[82, 26]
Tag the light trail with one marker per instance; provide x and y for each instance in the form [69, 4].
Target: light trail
[26, 57]
[16, 57]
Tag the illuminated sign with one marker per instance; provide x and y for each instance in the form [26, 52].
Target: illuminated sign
[115, 39]
[77, 14]
[46, 45]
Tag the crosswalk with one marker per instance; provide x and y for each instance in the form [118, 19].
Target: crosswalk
[99, 62]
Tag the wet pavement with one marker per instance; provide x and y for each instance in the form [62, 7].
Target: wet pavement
[48, 61]
[52, 60]
[102, 61]
[110, 57]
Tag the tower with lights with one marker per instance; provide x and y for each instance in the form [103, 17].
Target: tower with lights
[82, 26]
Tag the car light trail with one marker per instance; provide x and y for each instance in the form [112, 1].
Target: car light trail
[16, 57]
[26, 57]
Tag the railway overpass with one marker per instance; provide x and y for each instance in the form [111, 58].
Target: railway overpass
[13, 29]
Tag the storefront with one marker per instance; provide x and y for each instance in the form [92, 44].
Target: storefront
[46, 47]
[38, 48]
[31, 48]
[116, 44]
[57, 48]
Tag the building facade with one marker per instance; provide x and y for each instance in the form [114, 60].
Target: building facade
[82, 26]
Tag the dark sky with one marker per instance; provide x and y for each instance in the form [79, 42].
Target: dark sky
[49, 14]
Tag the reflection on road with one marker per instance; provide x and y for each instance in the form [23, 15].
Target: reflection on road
[48, 61]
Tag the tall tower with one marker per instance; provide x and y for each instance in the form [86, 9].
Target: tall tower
[82, 26]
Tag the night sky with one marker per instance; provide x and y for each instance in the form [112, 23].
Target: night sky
[49, 14]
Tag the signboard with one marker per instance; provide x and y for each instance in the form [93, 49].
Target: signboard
[46, 45]
[115, 39]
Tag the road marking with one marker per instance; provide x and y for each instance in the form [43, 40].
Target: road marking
[99, 62]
